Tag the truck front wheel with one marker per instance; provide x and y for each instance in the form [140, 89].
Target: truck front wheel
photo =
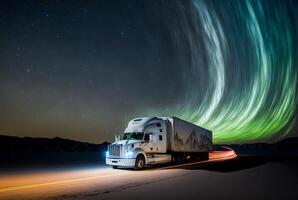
[140, 162]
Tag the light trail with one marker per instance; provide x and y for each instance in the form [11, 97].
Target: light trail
[56, 182]
[215, 156]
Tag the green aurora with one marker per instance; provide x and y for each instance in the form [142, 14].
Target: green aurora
[249, 58]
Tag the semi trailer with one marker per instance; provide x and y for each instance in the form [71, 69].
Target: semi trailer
[157, 140]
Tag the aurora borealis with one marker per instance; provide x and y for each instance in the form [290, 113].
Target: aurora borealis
[249, 51]
[83, 69]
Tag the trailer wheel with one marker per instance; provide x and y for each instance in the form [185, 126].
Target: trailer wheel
[140, 162]
[174, 159]
[115, 167]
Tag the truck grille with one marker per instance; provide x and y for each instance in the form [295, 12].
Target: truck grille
[114, 150]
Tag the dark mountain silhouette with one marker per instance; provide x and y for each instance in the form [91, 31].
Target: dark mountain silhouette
[19, 152]
[43, 145]
[286, 147]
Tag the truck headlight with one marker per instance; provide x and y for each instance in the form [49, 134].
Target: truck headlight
[107, 154]
[128, 154]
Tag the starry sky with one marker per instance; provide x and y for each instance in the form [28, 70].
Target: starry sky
[82, 69]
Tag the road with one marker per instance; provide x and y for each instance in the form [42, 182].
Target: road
[179, 181]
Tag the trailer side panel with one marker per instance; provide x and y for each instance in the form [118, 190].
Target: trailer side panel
[187, 137]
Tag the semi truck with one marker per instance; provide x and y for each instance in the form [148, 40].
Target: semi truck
[157, 140]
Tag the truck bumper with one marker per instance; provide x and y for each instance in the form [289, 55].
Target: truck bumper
[123, 162]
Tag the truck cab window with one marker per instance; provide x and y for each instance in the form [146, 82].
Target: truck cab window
[133, 136]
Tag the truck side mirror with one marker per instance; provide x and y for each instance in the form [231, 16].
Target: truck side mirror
[117, 138]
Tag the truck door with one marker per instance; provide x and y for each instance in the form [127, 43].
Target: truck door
[160, 143]
[160, 137]
[149, 143]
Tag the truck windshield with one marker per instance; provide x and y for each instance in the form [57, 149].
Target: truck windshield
[133, 136]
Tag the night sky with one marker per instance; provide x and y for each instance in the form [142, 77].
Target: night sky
[82, 69]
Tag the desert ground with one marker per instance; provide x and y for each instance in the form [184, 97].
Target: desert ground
[237, 178]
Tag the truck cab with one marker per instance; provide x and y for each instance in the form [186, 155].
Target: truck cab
[142, 142]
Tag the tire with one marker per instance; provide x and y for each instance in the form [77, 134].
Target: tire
[115, 167]
[174, 159]
[140, 162]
